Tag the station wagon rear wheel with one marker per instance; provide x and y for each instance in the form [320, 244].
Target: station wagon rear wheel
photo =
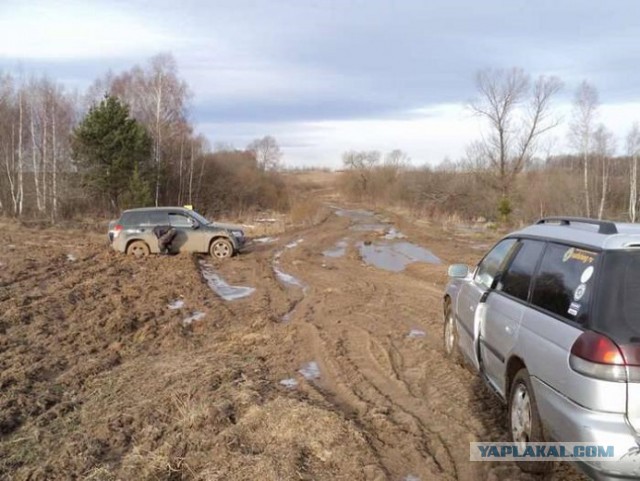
[138, 249]
[221, 249]
[525, 425]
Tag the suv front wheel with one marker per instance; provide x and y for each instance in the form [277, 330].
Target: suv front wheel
[221, 248]
[450, 334]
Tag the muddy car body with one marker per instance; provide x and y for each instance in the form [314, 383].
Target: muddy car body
[550, 318]
[133, 234]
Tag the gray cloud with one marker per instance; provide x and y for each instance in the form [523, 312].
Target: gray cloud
[261, 62]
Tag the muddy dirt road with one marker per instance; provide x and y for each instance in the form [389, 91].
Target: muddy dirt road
[314, 356]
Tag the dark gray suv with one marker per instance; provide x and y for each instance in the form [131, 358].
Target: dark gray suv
[132, 233]
[550, 319]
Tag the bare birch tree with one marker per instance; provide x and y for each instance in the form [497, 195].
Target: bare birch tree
[361, 165]
[7, 137]
[604, 149]
[267, 152]
[517, 113]
[157, 98]
[581, 130]
[20, 160]
[34, 152]
[633, 150]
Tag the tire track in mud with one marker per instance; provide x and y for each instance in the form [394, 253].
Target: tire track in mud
[367, 390]
[362, 377]
[346, 387]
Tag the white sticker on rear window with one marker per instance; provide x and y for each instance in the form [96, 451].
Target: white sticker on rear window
[586, 275]
[574, 308]
[579, 293]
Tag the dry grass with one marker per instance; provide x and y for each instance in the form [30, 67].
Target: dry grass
[291, 439]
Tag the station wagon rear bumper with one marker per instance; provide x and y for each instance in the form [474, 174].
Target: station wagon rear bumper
[564, 420]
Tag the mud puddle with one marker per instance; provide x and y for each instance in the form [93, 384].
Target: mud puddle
[220, 287]
[356, 214]
[293, 244]
[416, 333]
[177, 304]
[265, 240]
[310, 371]
[339, 250]
[195, 316]
[370, 227]
[289, 383]
[395, 256]
[282, 276]
[394, 234]
[288, 279]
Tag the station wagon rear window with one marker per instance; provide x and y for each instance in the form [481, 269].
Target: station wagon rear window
[617, 306]
[564, 284]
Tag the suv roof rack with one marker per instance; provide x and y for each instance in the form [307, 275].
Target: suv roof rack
[604, 226]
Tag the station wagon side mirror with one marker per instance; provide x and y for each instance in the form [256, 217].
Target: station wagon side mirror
[458, 271]
[194, 223]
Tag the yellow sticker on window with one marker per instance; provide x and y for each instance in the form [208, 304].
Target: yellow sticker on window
[579, 255]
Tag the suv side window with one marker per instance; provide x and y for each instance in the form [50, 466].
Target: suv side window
[180, 220]
[158, 218]
[517, 278]
[564, 282]
[134, 219]
[493, 262]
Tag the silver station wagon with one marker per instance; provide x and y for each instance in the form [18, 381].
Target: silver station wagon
[550, 318]
[133, 233]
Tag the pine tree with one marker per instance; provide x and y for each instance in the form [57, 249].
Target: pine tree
[112, 152]
[139, 192]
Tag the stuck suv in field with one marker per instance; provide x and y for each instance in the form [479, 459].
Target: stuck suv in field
[132, 233]
[550, 318]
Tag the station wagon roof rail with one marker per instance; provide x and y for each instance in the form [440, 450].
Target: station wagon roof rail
[584, 232]
[604, 226]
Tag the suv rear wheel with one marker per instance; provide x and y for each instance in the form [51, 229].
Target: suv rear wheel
[221, 248]
[138, 249]
[525, 425]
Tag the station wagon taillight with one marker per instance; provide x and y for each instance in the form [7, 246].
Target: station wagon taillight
[595, 355]
[116, 230]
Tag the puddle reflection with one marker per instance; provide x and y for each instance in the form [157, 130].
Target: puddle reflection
[395, 256]
[220, 287]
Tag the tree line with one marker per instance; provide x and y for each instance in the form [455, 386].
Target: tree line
[127, 141]
[512, 172]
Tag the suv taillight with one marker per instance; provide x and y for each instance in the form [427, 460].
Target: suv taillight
[595, 355]
[116, 230]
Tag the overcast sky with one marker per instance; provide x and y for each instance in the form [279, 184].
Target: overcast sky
[324, 76]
